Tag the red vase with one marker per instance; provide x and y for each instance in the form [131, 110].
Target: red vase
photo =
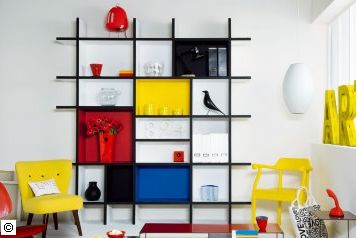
[106, 147]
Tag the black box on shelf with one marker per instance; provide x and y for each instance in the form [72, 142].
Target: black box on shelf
[222, 62]
[213, 61]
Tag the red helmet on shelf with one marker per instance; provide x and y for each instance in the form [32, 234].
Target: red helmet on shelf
[117, 19]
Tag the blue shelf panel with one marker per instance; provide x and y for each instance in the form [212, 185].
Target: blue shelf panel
[163, 184]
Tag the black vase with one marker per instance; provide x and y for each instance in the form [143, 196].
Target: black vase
[92, 193]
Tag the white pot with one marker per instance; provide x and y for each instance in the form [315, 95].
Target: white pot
[298, 88]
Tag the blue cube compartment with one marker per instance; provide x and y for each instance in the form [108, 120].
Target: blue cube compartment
[163, 184]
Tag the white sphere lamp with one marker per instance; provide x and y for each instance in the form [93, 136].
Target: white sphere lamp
[298, 88]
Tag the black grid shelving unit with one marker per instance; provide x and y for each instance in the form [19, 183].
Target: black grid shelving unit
[122, 171]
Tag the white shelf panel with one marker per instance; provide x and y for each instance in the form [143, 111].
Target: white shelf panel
[160, 213]
[210, 125]
[89, 90]
[243, 100]
[242, 178]
[154, 51]
[161, 152]
[92, 214]
[243, 61]
[203, 214]
[163, 128]
[218, 90]
[88, 174]
[244, 148]
[119, 213]
[114, 55]
[211, 175]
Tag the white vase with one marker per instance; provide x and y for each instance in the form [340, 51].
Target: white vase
[298, 88]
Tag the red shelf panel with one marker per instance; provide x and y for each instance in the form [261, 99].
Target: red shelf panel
[88, 148]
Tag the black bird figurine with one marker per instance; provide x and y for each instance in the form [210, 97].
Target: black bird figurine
[210, 104]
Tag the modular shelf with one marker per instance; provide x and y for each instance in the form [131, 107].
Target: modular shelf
[140, 174]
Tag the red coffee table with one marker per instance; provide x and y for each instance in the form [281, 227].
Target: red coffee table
[178, 228]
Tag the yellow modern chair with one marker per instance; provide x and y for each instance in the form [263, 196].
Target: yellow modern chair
[279, 193]
[60, 170]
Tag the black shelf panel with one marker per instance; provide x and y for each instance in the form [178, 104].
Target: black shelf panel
[162, 116]
[163, 140]
[119, 184]
[119, 203]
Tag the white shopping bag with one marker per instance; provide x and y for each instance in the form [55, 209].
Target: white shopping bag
[306, 225]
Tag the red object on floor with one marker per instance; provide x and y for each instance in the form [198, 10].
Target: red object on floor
[337, 210]
[106, 147]
[117, 19]
[88, 148]
[178, 156]
[116, 236]
[5, 209]
[96, 69]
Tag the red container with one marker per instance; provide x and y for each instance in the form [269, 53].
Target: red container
[116, 236]
[179, 156]
[106, 147]
[96, 69]
[262, 223]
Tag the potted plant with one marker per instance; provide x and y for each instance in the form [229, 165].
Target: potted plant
[106, 130]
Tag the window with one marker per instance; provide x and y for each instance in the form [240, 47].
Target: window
[342, 49]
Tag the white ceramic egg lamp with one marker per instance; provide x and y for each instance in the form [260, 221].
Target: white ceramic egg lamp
[298, 88]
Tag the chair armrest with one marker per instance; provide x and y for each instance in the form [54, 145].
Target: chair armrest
[262, 166]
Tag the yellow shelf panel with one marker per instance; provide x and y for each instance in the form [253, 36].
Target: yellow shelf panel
[165, 93]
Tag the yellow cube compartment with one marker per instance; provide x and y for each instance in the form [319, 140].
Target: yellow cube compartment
[162, 96]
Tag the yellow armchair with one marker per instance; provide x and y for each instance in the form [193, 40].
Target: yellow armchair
[280, 194]
[60, 170]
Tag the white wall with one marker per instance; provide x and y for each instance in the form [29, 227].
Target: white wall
[32, 129]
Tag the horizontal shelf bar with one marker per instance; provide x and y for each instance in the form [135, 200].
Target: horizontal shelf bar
[240, 38]
[65, 38]
[65, 77]
[65, 107]
[153, 39]
[163, 140]
[102, 164]
[240, 77]
[210, 164]
[162, 116]
[210, 203]
[105, 77]
[113, 203]
[104, 39]
[241, 203]
[240, 116]
[241, 164]
[164, 164]
[163, 77]
[93, 203]
[164, 203]
[210, 116]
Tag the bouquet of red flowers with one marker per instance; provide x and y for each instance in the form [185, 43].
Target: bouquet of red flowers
[103, 125]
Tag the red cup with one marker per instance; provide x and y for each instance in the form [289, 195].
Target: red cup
[116, 236]
[96, 69]
[262, 223]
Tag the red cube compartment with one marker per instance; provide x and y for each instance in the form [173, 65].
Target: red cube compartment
[88, 147]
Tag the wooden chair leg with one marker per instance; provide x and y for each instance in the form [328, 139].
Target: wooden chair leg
[77, 222]
[45, 217]
[29, 219]
[55, 220]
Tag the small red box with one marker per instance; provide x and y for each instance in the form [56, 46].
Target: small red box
[178, 156]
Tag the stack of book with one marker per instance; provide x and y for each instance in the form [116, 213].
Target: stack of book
[245, 233]
[125, 73]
